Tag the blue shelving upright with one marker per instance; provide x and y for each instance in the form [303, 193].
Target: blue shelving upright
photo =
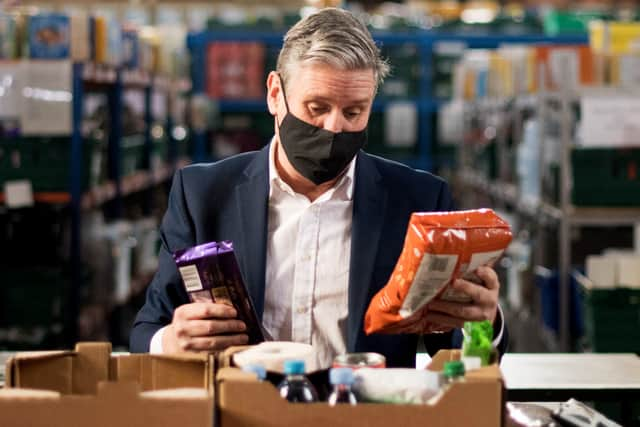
[114, 89]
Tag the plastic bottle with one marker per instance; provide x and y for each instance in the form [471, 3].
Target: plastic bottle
[528, 161]
[296, 387]
[259, 370]
[341, 379]
[453, 371]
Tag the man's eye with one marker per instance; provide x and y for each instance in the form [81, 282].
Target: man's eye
[317, 110]
[352, 114]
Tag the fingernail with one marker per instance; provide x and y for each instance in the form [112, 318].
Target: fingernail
[241, 326]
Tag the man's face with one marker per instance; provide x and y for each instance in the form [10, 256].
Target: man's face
[333, 99]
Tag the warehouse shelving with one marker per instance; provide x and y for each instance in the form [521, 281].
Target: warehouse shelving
[91, 77]
[562, 215]
[425, 102]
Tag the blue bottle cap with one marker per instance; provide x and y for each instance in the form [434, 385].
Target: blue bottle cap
[259, 370]
[294, 367]
[341, 376]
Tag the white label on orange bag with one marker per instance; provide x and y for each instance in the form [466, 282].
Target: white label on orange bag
[434, 271]
[468, 273]
[478, 260]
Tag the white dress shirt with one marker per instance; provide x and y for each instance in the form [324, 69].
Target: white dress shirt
[307, 269]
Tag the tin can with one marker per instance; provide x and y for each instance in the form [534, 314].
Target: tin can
[360, 360]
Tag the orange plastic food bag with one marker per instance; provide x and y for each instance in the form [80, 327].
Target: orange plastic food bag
[439, 248]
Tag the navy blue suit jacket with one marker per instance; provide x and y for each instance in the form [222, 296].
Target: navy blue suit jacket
[228, 200]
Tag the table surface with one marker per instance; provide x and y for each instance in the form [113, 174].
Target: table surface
[584, 371]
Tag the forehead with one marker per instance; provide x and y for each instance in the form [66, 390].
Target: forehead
[318, 80]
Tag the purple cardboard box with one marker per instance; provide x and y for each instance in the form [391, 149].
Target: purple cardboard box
[210, 272]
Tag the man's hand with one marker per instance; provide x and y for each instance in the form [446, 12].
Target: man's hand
[484, 305]
[203, 327]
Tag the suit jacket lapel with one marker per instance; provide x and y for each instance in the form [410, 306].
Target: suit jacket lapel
[369, 207]
[252, 209]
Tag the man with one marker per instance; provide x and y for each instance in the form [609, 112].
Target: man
[317, 223]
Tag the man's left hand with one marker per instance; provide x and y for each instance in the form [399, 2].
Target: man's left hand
[447, 315]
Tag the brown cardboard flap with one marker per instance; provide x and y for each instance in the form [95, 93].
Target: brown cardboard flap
[486, 373]
[235, 374]
[225, 358]
[118, 391]
[116, 404]
[442, 356]
[42, 354]
[155, 372]
[127, 368]
[45, 373]
[171, 373]
[90, 366]
[79, 372]
[183, 356]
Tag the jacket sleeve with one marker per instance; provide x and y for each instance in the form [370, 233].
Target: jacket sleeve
[166, 291]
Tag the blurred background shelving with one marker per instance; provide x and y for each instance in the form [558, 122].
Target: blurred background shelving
[480, 92]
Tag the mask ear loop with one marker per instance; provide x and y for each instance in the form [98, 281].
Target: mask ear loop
[284, 95]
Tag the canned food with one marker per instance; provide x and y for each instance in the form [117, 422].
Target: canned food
[360, 360]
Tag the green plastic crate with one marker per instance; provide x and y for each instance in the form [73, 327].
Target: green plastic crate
[560, 22]
[403, 81]
[46, 162]
[612, 319]
[606, 177]
[132, 154]
[32, 297]
[160, 151]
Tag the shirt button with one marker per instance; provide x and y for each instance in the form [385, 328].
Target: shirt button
[302, 310]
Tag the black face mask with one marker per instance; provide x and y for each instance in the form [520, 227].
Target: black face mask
[317, 154]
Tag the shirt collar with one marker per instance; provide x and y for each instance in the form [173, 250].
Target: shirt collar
[345, 182]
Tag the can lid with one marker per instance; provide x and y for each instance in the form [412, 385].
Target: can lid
[341, 376]
[294, 367]
[454, 368]
[259, 370]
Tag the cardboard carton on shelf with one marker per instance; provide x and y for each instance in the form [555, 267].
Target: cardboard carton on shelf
[244, 401]
[89, 386]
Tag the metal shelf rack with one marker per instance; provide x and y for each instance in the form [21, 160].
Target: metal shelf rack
[562, 216]
[425, 101]
[86, 78]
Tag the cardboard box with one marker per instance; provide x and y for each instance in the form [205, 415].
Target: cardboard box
[98, 389]
[243, 401]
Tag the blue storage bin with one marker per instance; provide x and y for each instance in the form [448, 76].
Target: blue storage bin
[548, 287]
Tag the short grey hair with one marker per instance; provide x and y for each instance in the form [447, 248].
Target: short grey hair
[334, 37]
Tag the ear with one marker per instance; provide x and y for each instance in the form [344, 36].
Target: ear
[273, 92]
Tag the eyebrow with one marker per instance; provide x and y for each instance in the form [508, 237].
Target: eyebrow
[312, 97]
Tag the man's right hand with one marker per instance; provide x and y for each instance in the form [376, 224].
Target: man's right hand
[203, 327]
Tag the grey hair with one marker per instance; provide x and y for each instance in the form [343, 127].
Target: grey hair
[334, 37]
